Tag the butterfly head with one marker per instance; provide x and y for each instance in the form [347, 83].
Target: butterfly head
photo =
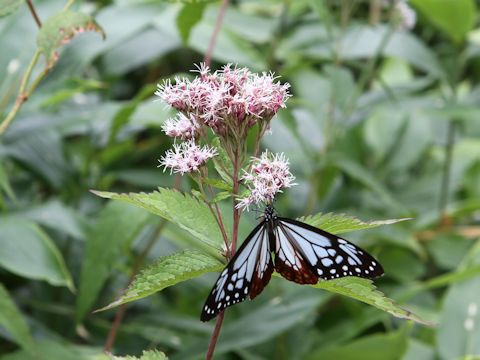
[270, 213]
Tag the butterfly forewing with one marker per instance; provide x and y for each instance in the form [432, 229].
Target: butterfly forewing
[326, 255]
[246, 274]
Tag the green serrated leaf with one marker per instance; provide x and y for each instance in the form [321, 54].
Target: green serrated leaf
[364, 290]
[146, 355]
[182, 209]
[168, 271]
[13, 322]
[188, 17]
[29, 252]
[8, 7]
[340, 223]
[117, 226]
[60, 28]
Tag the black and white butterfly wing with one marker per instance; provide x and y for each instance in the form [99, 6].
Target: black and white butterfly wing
[290, 260]
[304, 253]
[246, 275]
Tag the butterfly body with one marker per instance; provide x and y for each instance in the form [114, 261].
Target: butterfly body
[297, 251]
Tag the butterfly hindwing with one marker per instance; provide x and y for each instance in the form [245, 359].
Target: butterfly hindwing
[247, 273]
[289, 260]
[264, 268]
[320, 253]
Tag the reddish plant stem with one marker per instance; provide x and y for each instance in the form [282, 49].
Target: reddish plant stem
[218, 24]
[113, 330]
[216, 213]
[34, 13]
[214, 338]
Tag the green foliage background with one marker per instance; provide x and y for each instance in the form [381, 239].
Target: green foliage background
[383, 124]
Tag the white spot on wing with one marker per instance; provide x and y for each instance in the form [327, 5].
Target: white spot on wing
[327, 262]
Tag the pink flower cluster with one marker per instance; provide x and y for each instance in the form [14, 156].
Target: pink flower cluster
[186, 157]
[182, 127]
[269, 175]
[226, 99]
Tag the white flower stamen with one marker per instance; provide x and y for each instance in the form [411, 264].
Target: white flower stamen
[181, 127]
[269, 175]
[186, 157]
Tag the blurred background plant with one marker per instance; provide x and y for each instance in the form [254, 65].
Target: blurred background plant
[383, 123]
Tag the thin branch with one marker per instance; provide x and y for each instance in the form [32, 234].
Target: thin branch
[34, 13]
[445, 184]
[218, 24]
[369, 72]
[23, 94]
[135, 269]
[216, 213]
[276, 38]
[219, 219]
[375, 12]
[214, 338]
[112, 335]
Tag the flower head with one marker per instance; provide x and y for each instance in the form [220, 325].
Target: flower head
[182, 127]
[186, 157]
[227, 99]
[269, 175]
[406, 16]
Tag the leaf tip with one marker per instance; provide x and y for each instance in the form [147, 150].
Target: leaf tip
[102, 194]
[107, 307]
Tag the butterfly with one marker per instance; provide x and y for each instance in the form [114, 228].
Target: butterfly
[302, 253]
